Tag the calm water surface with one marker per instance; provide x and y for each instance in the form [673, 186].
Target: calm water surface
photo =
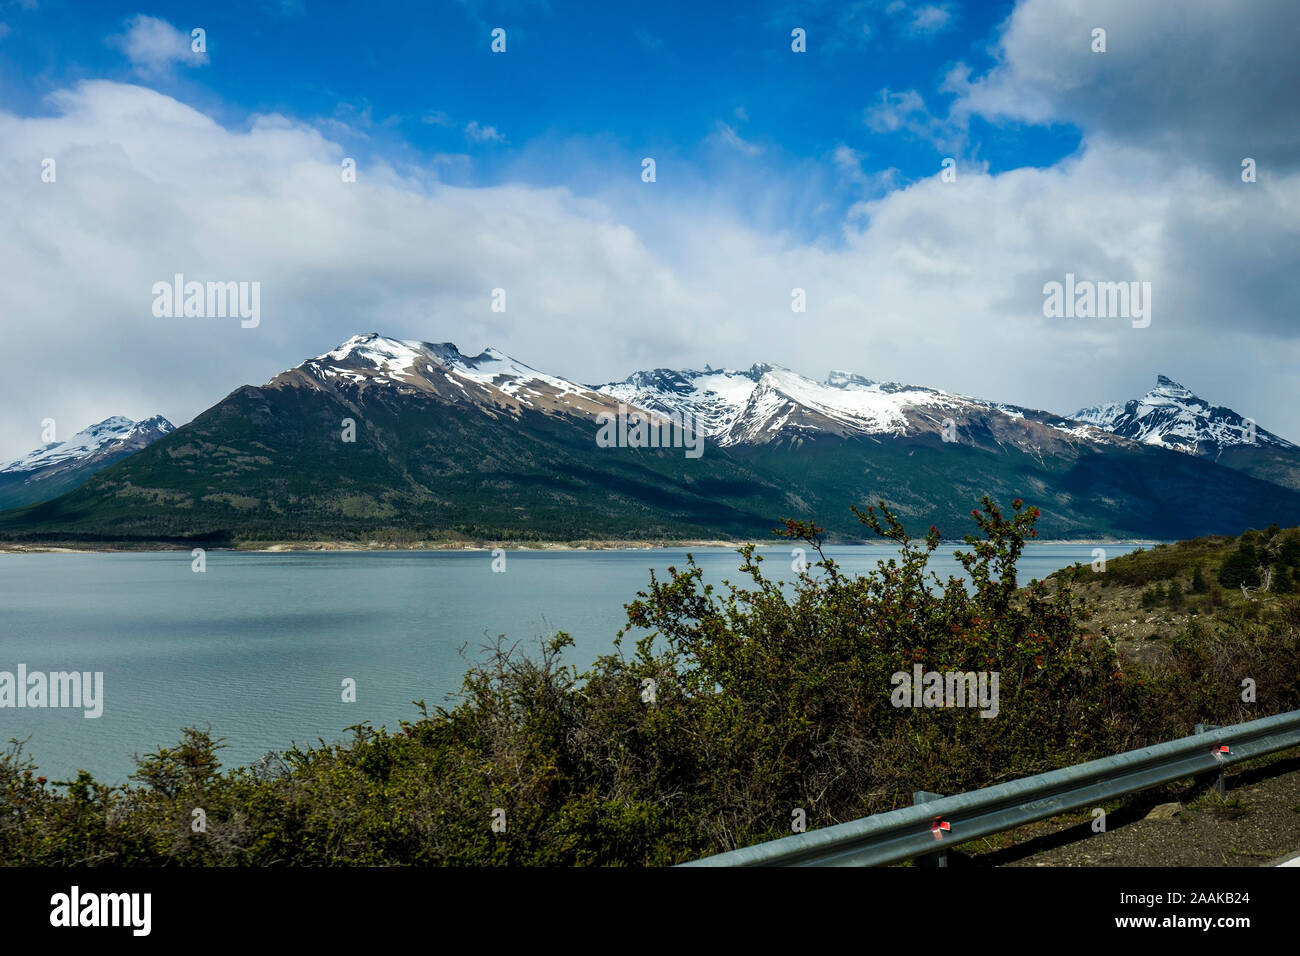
[257, 646]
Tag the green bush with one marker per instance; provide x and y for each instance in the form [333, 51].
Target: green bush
[1283, 580]
[1241, 567]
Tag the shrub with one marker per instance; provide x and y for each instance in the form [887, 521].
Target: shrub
[1241, 567]
[1289, 552]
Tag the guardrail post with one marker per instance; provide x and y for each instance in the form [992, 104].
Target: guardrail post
[939, 857]
[1220, 785]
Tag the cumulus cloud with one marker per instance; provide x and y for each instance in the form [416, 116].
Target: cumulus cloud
[1199, 80]
[154, 46]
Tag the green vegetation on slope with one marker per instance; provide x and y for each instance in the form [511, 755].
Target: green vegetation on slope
[268, 464]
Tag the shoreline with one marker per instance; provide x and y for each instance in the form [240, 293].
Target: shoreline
[296, 547]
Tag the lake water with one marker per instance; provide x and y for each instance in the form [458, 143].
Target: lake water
[257, 646]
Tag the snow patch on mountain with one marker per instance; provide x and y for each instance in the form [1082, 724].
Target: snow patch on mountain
[1099, 415]
[100, 438]
[853, 403]
[713, 398]
[492, 374]
[736, 407]
[510, 375]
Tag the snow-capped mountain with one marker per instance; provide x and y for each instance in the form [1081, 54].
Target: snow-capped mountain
[60, 466]
[388, 439]
[1171, 416]
[101, 438]
[766, 403]
[761, 405]
[490, 379]
[843, 405]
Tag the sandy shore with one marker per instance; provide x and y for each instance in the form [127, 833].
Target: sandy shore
[283, 547]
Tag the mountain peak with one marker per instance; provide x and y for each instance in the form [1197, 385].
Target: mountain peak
[1173, 416]
[395, 355]
[370, 346]
[115, 435]
[1167, 388]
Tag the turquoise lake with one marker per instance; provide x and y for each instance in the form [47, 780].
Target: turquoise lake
[257, 646]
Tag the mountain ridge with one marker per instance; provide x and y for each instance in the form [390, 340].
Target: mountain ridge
[444, 446]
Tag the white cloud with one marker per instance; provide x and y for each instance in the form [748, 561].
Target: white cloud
[154, 46]
[850, 162]
[483, 134]
[1208, 81]
[907, 112]
[894, 110]
[937, 283]
[930, 18]
[726, 135]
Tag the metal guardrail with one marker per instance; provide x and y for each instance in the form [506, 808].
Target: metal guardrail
[918, 830]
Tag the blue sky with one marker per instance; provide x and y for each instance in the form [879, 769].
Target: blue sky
[775, 170]
[703, 89]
